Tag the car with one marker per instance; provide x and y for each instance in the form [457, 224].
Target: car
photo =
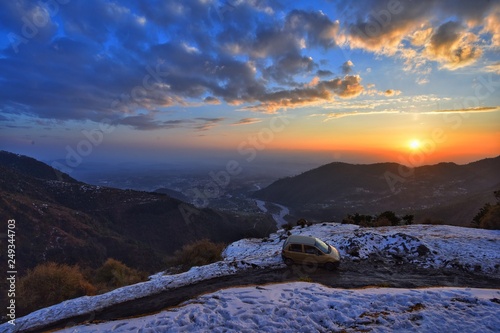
[309, 250]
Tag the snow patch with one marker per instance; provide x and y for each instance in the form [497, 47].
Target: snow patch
[305, 307]
[424, 245]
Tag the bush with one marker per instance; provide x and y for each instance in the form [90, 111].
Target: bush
[488, 216]
[491, 220]
[408, 219]
[287, 226]
[199, 253]
[391, 217]
[359, 219]
[382, 222]
[114, 274]
[303, 223]
[49, 284]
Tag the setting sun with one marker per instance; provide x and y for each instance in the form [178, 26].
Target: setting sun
[414, 144]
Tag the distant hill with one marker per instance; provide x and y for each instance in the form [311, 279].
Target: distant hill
[446, 191]
[31, 167]
[60, 219]
[173, 194]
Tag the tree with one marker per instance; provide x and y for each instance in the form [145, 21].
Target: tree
[491, 220]
[476, 221]
[408, 218]
[488, 216]
[391, 216]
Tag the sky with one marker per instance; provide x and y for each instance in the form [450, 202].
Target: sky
[413, 82]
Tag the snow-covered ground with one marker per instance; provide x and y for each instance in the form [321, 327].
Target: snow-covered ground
[310, 307]
[424, 245]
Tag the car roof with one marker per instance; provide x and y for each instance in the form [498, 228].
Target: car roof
[306, 240]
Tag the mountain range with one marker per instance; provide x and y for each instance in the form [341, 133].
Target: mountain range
[446, 191]
[63, 220]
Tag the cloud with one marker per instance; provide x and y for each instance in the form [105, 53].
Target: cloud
[492, 26]
[392, 92]
[476, 109]
[206, 123]
[148, 122]
[372, 91]
[211, 100]
[421, 31]
[285, 68]
[422, 80]
[324, 73]
[123, 60]
[109, 64]
[342, 114]
[421, 37]
[347, 67]
[452, 46]
[310, 94]
[316, 26]
[337, 115]
[494, 67]
[247, 121]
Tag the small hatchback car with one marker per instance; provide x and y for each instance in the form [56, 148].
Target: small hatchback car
[309, 250]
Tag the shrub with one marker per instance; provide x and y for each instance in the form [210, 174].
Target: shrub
[382, 222]
[391, 216]
[114, 274]
[303, 223]
[287, 226]
[488, 216]
[199, 253]
[476, 221]
[359, 219]
[408, 219]
[49, 284]
[491, 220]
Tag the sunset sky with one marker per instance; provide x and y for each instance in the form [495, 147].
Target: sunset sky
[414, 82]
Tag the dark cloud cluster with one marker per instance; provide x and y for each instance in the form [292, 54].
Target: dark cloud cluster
[125, 60]
[149, 121]
[310, 94]
[122, 59]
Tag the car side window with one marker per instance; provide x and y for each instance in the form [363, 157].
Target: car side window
[310, 249]
[295, 248]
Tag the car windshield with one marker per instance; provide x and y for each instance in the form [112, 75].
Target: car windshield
[322, 246]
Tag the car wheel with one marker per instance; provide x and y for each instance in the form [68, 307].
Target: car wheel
[331, 266]
[288, 262]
